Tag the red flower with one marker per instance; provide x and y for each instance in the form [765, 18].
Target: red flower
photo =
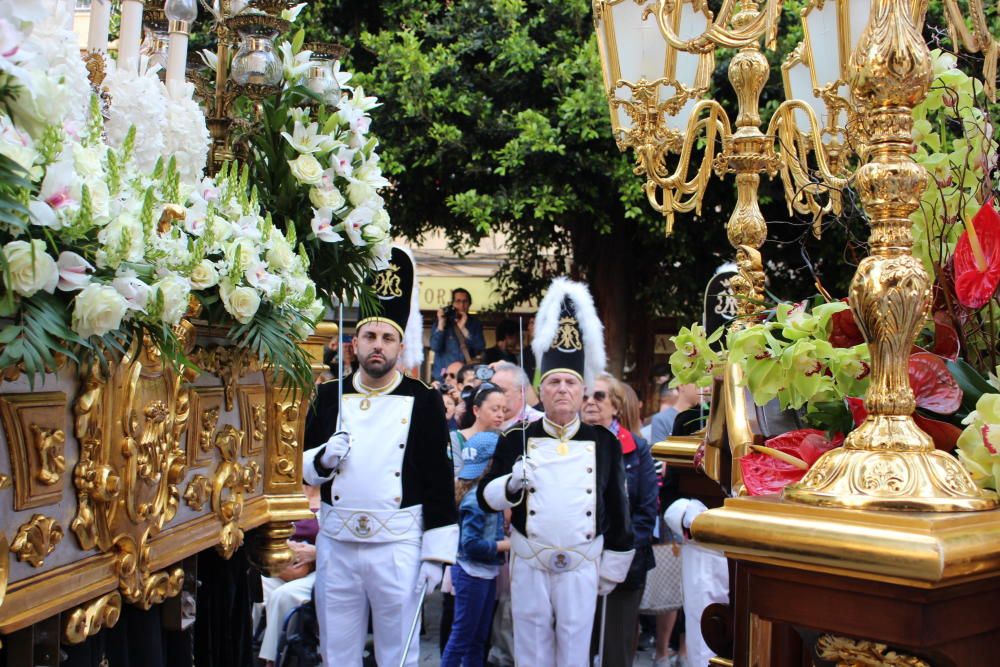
[763, 473]
[845, 331]
[975, 287]
[935, 390]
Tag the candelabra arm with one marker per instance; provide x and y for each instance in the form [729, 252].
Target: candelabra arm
[783, 128]
[717, 35]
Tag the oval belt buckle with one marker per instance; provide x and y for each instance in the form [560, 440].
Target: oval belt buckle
[559, 561]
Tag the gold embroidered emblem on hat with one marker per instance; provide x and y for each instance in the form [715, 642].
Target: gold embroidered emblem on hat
[387, 283]
[568, 335]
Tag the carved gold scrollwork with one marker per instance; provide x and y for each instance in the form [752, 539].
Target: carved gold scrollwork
[34, 424]
[37, 539]
[229, 484]
[4, 566]
[89, 619]
[229, 364]
[848, 652]
[209, 420]
[130, 423]
[49, 443]
[197, 492]
[288, 445]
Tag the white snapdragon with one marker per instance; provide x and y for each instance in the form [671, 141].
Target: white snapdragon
[173, 291]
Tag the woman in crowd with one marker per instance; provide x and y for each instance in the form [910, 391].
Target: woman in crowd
[484, 411]
[608, 405]
[480, 555]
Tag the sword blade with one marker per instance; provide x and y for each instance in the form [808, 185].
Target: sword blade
[413, 625]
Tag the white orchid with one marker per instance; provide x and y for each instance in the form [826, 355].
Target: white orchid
[322, 226]
[292, 13]
[341, 161]
[210, 58]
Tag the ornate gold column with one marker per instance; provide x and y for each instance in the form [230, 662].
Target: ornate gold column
[888, 462]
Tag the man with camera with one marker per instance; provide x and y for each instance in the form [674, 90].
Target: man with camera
[458, 336]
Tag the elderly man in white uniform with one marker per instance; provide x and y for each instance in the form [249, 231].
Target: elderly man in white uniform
[572, 537]
[387, 516]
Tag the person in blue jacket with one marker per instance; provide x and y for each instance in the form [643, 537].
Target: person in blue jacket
[480, 556]
[457, 336]
[611, 405]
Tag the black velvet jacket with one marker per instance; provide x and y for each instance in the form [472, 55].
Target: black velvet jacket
[427, 477]
[613, 520]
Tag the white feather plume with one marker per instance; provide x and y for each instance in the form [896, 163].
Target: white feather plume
[413, 336]
[547, 325]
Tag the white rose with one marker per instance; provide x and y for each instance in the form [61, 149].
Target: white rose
[98, 309]
[31, 268]
[280, 256]
[307, 169]
[133, 290]
[242, 251]
[204, 275]
[326, 198]
[174, 291]
[241, 302]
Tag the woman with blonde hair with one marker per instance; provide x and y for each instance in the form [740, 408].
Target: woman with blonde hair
[609, 404]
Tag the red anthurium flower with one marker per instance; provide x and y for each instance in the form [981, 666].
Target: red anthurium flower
[784, 460]
[977, 259]
[946, 343]
[935, 390]
[844, 331]
[933, 385]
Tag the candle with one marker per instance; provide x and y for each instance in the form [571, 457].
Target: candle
[130, 36]
[176, 61]
[100, 21]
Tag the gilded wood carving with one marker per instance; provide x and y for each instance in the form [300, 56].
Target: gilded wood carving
[253, 418]
[206, 407]
[846, 652]
[130, 426]
[89, 619]
[36, 539]
[229, 484]
[197, 492]
[34, 424]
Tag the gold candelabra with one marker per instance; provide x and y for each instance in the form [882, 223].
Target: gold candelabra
[888, 462]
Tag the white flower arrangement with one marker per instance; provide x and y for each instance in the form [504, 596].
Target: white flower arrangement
[105, 233]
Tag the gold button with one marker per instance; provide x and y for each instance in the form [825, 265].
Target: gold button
[402, 421]
[397, 499]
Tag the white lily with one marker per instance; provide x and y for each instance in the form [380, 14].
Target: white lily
[304, 138]
[295, 65]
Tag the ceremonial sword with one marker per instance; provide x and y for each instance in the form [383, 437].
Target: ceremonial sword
[340, 381]
[524, 408]
[413, 625]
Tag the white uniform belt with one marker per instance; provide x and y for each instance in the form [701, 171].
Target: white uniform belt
[356, 525]
[555, 559]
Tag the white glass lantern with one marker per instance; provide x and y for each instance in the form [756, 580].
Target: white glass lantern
[832, 30]
[256, 62]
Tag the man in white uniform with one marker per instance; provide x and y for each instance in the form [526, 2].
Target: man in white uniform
[572, 538]
[387, 517]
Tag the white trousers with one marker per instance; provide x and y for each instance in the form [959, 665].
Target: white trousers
[350, 578]
[705, 577]
[280, 598]
[553, 614]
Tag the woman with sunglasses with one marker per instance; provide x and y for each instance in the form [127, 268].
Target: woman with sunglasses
[608, 406]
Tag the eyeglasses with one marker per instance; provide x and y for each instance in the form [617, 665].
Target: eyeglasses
[450, 375]
[598, 396]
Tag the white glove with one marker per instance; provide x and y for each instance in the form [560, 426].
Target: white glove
[522, 475]
[605, 586]
[335, 449]
[431, 573]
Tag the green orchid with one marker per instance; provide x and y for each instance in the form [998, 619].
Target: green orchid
[694, 361]
[797, 323]
[851, 369]
[979, 444]
[805, 364]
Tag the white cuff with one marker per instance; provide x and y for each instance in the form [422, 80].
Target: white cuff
[440, 544]
[615, 564]
[310, 471]
[495, 494]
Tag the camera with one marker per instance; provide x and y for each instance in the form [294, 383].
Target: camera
[449, 314]
[446, 389]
